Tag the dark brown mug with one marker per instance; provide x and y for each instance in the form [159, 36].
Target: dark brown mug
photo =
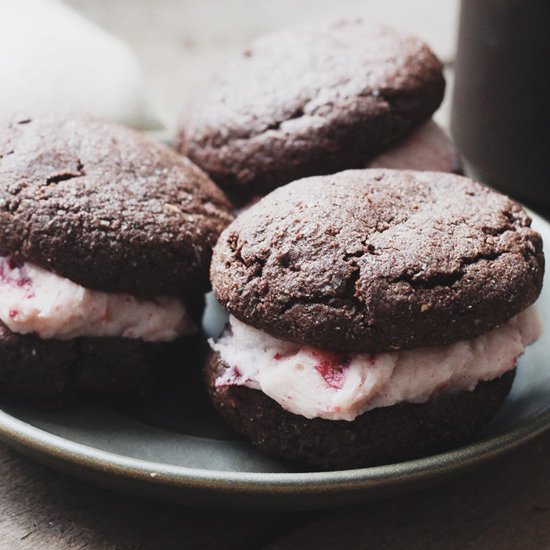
[501, 105]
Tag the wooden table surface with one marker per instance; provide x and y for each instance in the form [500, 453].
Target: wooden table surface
[504, 505]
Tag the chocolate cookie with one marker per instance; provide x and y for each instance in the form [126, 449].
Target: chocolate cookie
[375, 260]
[310, 101]
[376, 315]
[105, 241]
[106, 207]
[383, 435]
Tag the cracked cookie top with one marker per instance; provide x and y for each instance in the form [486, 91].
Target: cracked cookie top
[106, 207]
[310, 101]
[376, 260]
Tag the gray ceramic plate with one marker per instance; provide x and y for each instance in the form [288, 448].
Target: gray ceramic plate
[176, 447]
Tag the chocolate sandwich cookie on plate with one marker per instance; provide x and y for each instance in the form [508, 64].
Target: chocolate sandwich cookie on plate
[375, 315]
[105, 243]
[316, 100]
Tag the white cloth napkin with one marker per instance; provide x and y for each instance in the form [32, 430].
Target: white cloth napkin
[52, 59]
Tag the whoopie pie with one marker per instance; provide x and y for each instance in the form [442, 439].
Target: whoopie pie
[375, 315]
[105, 244]
[316, 100]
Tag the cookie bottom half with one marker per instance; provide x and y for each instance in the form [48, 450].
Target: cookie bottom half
[50, 373]
[379, 436]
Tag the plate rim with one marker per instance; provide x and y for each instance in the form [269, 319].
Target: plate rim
[31, 438]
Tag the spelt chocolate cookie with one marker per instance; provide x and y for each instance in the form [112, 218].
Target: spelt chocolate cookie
[379, 436]
[310, 101]
[105, 242]
[377, 260]
[106, 207]
[375, 315]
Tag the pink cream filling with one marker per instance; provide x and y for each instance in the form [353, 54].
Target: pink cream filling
[428, 148]
[33, 300]
[319, 384]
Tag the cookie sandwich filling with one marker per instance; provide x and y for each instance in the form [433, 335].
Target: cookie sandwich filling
[34, 300]
[426, 149]
[315, 383]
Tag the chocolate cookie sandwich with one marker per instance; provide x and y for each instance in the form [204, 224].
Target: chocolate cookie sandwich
[317, 100]
[105, 244]
[375, 315]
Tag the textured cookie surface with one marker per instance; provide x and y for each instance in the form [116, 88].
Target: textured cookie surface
[379, 436]
[310, 101]
[374, 260]
[106, 207]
